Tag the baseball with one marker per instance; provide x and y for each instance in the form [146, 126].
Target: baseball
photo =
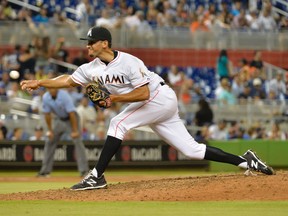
[14, 74]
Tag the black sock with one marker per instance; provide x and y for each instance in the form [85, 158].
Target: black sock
[110, 148]
[215, 154]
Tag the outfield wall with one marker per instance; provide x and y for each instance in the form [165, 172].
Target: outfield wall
[275, 153]
[29, 154]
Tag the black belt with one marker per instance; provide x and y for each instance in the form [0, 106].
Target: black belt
[162, 83]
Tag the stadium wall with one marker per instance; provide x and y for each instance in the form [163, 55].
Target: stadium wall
[198, 58]
[272, 151]
[29, 154]
[187, 57]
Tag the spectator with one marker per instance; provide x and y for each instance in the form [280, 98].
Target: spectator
[190, 92]
[204, 115]
[3, 130]
[19, 134]
[252, 18]
[286, 85]
[218, 131]
[3, 94]
[244, 70]
[182, 16]
[273, 101]
[38, 134]
[6, 11]
[176, 78]
[166, 16]
[10, 61]
[203, 136]
[277, 85]
[2, 135]
[60, 54]
[258, 93]
[237, 85]
[266, 21]
[87, 116]
[59, 17]
[237, 7]
[40, 72]
[100, 132]
[222, 21]
[41, 47]
[226, 96]
[80, 58]
[246, 95]
[139, 28]
[41, 17]
[76, 94]
[16, 91]
[223, 65]
[152, 14]
[36, 105]
[222, 85]
[257, 61]
[83, 10]
[276, 133]
[283, 24]
[199, 24]
[258, 131]
[240, 21]
[106, 21]
[27, 63]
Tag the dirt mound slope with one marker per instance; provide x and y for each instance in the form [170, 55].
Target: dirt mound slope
[203, 188]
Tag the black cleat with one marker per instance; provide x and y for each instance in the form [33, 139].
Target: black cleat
[43, 175]
[90, 182]
[255, 164]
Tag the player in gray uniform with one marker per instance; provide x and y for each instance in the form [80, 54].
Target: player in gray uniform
[61, 117]
[150, 102]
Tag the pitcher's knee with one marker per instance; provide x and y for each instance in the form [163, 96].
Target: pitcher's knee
[195, 152]
[117, 128]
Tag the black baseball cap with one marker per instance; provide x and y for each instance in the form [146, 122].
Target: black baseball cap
[97, 33]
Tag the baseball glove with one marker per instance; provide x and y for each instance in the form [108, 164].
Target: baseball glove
[98, 95]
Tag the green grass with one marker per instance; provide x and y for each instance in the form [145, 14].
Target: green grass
[55, 207]
[47, 208]
[14, 187]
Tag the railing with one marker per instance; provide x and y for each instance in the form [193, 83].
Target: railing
[14, 115]
[158, 38]
[278, 10]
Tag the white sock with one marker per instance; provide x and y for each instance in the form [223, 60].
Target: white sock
[243, 165]
[94, 172]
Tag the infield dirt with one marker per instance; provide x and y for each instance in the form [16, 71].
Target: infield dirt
[203, 188]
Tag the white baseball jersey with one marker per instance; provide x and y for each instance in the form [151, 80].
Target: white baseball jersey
[126, 73]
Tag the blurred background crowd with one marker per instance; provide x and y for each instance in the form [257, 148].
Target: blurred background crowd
[144, 14]
[239, 84]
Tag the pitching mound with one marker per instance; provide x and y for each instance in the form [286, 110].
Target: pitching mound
[204, 188]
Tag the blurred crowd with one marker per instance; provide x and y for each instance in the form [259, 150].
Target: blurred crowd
[238, 83]
[144, 15]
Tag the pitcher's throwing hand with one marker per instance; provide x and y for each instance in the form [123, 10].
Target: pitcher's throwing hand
[29, 85]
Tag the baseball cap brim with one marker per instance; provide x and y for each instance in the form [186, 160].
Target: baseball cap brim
[91, 39]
